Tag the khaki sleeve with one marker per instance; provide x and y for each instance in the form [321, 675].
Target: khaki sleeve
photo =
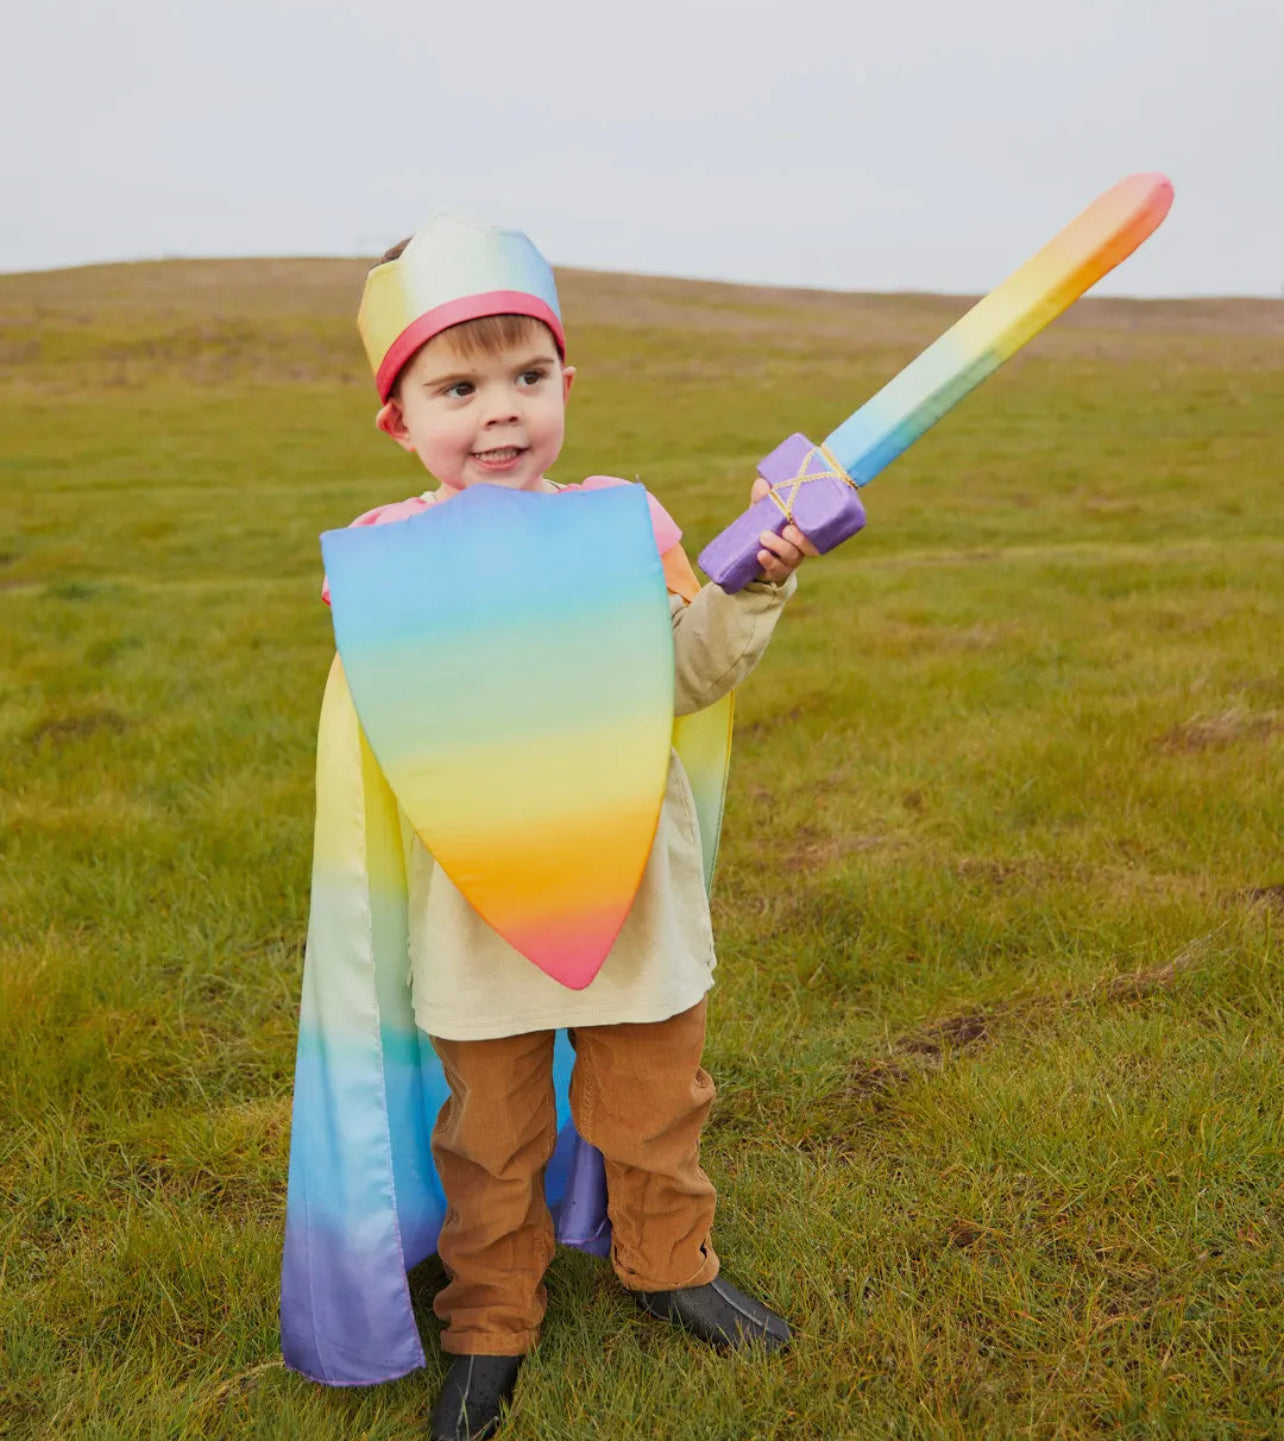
[719, 638]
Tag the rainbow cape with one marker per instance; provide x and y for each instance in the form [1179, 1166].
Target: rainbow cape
[510, 599]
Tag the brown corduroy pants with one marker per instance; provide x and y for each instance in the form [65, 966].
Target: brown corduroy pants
[639, 1094]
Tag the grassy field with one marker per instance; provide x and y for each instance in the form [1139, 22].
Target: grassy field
[1000, 1016]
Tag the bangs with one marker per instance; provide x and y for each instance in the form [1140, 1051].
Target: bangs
[492, 335]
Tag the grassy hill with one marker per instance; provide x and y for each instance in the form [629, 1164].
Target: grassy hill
[998, 1024]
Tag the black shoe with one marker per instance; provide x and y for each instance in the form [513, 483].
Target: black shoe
[475, 1389]
[719, 1314]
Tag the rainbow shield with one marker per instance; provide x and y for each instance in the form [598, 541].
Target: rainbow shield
[510, 657]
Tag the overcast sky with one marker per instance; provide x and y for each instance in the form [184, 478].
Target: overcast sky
[911, 144]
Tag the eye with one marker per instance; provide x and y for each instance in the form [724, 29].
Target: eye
[533, 376]
[461, 390]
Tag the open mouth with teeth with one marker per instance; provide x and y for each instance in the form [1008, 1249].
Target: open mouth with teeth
[501, 457]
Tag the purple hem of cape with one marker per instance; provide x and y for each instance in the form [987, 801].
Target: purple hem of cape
[353, 1385]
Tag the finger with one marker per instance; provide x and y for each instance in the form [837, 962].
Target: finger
[759, 490]
[796, 537]
[790, 554]
[771, 568]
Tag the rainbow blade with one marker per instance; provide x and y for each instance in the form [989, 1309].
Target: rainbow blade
[510, 657]
[815, 486]
[1108, 231]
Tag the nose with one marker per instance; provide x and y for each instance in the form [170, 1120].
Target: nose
[500, 406]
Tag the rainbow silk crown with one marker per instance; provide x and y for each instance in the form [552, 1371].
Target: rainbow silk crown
[453, 270]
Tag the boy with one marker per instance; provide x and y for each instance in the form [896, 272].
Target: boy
[464, 334]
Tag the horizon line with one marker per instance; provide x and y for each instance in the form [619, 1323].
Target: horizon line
[908, 290]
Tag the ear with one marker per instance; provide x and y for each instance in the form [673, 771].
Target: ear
[392, 422]
[568, 379]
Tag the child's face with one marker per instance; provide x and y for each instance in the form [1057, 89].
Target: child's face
[493, 418]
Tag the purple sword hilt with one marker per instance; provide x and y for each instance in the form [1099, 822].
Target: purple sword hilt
[808, 488]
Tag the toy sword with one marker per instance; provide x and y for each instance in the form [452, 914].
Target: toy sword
[817, 487]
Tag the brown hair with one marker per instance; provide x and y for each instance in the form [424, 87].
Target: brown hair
[392, 253]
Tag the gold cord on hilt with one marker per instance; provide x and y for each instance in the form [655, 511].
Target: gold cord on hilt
[784, 492]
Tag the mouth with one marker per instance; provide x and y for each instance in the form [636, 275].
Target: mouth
[502, 457]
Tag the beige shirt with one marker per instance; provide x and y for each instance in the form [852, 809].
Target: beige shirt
[467, 982]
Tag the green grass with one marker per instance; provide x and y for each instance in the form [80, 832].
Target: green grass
[998, 1029]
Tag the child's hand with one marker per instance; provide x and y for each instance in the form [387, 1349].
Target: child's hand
[781, 554]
